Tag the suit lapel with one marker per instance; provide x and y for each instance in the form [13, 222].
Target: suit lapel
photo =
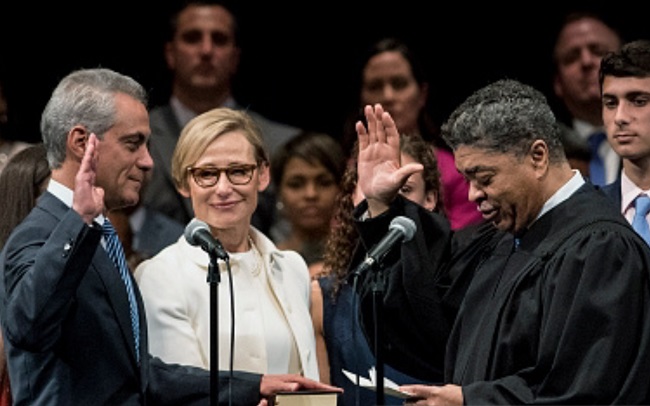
[108, 275]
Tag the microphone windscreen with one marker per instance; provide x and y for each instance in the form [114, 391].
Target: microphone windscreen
[192, 228]
[405, 224]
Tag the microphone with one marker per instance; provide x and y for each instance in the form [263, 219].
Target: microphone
[198, 233]
[400, 229]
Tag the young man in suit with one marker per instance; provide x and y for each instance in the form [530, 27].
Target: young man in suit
[67, 318]
[625, 85]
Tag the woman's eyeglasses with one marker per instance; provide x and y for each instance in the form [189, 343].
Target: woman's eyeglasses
[208, 176]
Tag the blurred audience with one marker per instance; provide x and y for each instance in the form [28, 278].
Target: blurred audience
[203, 55]
[393, 76]
[8, 145]
[340, 342]
[583, 39]
[22, 181]
[307, 171]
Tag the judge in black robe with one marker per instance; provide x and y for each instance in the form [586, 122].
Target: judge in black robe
[551, 305]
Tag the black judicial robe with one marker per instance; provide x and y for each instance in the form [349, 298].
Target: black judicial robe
[563, 319]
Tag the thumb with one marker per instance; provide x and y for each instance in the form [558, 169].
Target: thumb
[407, 170]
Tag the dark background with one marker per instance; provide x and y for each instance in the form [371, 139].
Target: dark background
[299, 61]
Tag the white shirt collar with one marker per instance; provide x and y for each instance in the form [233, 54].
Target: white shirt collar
[564, 192]
[629, 192]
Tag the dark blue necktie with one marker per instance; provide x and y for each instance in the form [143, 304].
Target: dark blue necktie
[640, 223]
[596, 165]
[116, 253]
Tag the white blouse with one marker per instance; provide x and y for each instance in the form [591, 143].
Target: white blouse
[273, 328]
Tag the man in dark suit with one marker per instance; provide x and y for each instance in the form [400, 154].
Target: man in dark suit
[582, 40]
[65, 311]
[202, 52]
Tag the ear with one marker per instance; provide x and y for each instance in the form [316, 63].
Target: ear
[430, 200]
[184, 192]
[76, 143]
[264, 177]
[539, 156]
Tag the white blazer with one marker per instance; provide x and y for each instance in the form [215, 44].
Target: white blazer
[177, 301]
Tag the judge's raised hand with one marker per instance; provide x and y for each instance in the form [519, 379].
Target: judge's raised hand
[380, 173]
[88, 199]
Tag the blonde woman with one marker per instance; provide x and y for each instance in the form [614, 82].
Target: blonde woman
[221, 164]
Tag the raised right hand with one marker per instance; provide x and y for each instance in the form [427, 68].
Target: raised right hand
[380, 173]
[88, 199]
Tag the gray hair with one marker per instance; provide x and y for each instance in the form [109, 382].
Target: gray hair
[84, 97]
[505, 117]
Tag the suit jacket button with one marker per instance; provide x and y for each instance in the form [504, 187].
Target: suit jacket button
[67, 248]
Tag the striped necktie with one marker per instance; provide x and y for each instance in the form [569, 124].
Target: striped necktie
[116, 253]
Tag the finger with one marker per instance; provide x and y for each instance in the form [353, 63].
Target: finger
[289, 386]
[380, 130]
[392, 132]
[404, 172]
[414, 399]
[371, 120]
[88, 160]
[362, 135]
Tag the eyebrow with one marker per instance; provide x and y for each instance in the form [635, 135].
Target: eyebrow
[139, 136]
[473, 170]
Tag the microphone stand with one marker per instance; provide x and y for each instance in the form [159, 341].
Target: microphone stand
[378, 306]
[213, 280]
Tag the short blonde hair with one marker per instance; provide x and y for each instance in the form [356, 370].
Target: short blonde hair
[199, 133]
